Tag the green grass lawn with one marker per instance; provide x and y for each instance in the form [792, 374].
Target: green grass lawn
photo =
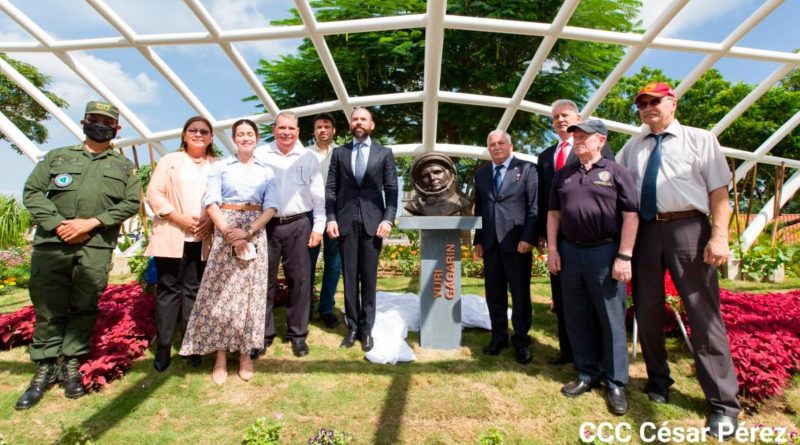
[442, 398]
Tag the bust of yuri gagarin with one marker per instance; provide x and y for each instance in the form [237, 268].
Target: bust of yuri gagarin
[436, 193]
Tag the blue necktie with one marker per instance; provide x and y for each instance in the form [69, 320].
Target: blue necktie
[497, 179]
[361, 164]
[649, 208]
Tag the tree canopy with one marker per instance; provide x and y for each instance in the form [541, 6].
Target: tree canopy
[473, 62]
[20, 108]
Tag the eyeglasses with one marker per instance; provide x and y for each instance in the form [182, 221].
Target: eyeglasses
[202, 131]
[654, 102]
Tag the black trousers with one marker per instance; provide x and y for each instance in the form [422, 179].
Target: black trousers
[288, 245]
[178, 283]
[504, 272]
[360, 251]
[678, 247]
[564, 347]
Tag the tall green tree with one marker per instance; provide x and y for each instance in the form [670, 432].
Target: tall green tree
[473, 62]
[708, 101]
[20, 108]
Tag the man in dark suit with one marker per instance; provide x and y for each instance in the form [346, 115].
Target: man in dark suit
[505, 198]
[361, 203]
[565, 114]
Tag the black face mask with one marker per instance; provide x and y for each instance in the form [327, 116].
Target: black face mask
[99, 132]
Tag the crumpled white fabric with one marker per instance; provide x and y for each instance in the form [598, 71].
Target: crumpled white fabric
[389, 333]
[396, 314]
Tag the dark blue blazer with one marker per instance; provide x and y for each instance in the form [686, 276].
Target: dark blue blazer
[375, 198]
[511, 213]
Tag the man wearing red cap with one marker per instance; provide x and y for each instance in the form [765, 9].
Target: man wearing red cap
[682, 177]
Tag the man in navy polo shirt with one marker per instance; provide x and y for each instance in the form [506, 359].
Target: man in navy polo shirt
[591, 229]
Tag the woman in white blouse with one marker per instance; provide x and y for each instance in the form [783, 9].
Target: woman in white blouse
[181, 234]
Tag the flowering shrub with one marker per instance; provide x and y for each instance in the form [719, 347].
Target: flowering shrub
[15, 268]
[402, 258]
[764, 337]
[330, 437]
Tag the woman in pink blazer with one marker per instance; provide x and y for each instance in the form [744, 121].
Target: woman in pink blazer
[181, 234]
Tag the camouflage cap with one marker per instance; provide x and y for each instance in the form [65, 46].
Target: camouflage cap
[103, 108]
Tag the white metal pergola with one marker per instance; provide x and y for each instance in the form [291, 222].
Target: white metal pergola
[434, 21]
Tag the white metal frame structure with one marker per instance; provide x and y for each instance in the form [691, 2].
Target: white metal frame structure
[434, 21]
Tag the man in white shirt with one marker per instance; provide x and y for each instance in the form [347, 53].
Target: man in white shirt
[297, 227]
[681, 177]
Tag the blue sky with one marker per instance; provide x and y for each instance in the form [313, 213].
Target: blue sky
[210, 75]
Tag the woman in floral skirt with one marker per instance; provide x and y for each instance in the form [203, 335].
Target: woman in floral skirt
[228, 315]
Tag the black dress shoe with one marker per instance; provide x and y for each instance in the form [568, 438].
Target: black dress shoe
[349, 340]
[299, 347]
[161, 362]
[72, 378]
[330, 320]
[577, 388]
[193, 360]
[656, 393]
[721, 426]
[256, 353]
[617, 401]
[43, 379]
[523, 355]
[367, 343]
[495, 346]
[559, 360]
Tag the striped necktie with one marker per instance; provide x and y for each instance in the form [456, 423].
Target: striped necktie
[649, 207]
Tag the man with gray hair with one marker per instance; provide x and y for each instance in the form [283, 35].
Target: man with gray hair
[505, 199]
[296, 227]
[565, 114]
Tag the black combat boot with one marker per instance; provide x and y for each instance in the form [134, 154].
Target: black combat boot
[71, 378]
[43, 379]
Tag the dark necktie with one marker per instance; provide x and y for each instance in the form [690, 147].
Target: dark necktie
[498, 181]
[649, 208]
[361, 164]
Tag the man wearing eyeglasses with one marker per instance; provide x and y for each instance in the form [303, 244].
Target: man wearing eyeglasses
[681, 177]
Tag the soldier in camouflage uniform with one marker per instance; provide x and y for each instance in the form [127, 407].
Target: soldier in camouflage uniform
[78, 196]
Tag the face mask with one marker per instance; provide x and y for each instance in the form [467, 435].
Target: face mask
[99, 132]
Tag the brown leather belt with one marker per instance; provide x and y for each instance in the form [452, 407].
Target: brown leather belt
[241, 207]
[278, 220]
[674, 216]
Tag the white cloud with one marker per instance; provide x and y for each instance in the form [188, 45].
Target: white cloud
[244, 14]
[695, 14]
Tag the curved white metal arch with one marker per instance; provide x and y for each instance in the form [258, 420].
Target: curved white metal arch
[434, 21]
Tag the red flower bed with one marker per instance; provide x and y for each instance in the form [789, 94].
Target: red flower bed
[16, 328]
[123, 331]
[764, 336]
[125, 325]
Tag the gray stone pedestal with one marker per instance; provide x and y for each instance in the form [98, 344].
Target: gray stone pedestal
[440, 277]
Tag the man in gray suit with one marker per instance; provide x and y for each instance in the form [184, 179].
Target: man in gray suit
[505, 198]
[361, 203]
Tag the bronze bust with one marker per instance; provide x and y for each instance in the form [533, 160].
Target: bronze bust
[436, 191]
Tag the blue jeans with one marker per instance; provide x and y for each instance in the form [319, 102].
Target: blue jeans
[331, 271]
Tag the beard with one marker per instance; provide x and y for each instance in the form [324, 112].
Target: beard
[360, 132]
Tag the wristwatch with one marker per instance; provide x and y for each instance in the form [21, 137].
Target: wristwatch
[250, 231]
[624, 257]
